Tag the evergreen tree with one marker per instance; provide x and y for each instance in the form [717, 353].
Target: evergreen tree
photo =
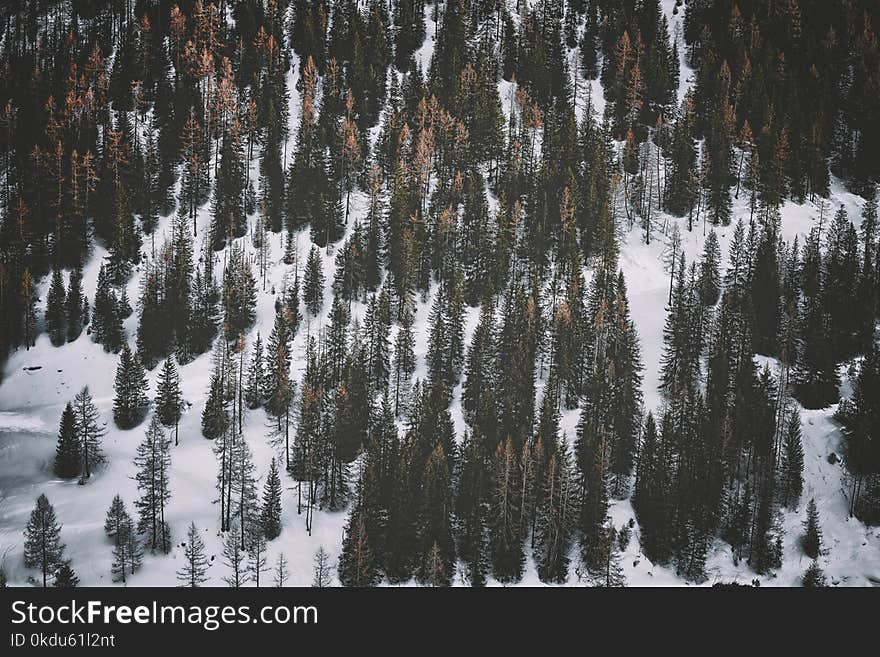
[811, 541]
[66, 578]
[43, 548]
[153, 463]
[214, 416]
[195, 567]
[270, 512]
[168, 399]
[127, 551]
[89, 434]
[792, 466]
[56, 310]
[75, 304]
[313, 283]
[813, 577]
[106, 320]
[256, 547]
[710, 278]
[505, 529]
[130, 402]
[357, 562]
[256, 385]
[67, 453]
[556, 517]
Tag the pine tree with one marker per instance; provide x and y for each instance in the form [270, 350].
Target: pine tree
[89, 434]
[168, 400]
[153, 463]
[813, 577]
[43, 548]
[127, 551]
[270, 512]
[322, 577]
[66, 578]
[67, 453]
[278, 390]
[256, 385]
[710, 277]
[357, 562]
[76, 303]
[234, 558]
[194, 571]
[56, 310]
[313, 283]
[404, 358]
[242, 499]
[106, 320]
[130, 402]
[811, 541]
[214, 416]
[256, 547]
[556, 518]
[792, 466]
[505, 529]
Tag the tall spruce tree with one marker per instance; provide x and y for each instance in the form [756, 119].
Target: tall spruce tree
[67, 453]
[153, 463]
[43, 548]
[130, 402]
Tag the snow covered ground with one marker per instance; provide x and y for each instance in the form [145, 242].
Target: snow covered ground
[37, 383]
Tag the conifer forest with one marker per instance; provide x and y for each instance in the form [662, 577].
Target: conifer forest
[439, 292]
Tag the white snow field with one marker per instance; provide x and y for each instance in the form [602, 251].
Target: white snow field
[38, 382]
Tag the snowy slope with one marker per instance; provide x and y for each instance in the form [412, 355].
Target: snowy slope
[31, 401]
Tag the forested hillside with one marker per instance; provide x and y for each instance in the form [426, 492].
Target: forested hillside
[361, 292]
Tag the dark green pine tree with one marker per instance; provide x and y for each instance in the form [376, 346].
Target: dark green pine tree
[869, 278]
[811, 541]
[815, 377]
[860, 417]
[270, 511]
[214, 416]
[710, 275]
[115, 518]
[277, 390]
[67, 453]
[472, 510]
[130, 402]
[679, 184]
[255, 387]
[106, 320]
[357, 563]
[89, 434]
[127, 551]
[591, 455]
[313, 282]
[556, 519]
[168, 398]
[436, 559]
[814, 577]
[43, 548]
[195, 566]
[153, 463]
[66, 578]
[650, 497]
[791, 480]
[505, 529]
[75, 303]
[56, 310]
[239, 294]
